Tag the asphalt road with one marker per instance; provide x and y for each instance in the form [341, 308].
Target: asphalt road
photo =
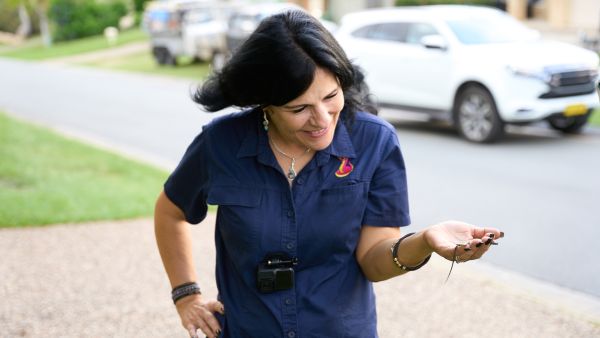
[540, 188]
[142, 115]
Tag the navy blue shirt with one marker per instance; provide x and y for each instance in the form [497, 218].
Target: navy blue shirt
[359, 179]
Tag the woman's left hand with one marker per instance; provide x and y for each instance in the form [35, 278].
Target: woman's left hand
[472, 241]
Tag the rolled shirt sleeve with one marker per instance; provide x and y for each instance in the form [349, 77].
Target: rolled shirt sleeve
[187, 187]
[388, 194]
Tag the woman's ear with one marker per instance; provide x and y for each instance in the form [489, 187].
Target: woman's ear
[265, 119]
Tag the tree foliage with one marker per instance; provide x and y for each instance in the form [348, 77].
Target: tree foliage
[9, 18]
[138, 5]
[9, 15]
[73, 19]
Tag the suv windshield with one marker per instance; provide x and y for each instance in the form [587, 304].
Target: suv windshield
[245, 22]
[490, 29]
[198, 16]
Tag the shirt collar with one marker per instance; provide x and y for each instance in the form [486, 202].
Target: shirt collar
[341, 146]
[256, 142]
[256, 138]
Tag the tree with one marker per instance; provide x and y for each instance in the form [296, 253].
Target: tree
[41, 9]
[138, 5]
[25, 28]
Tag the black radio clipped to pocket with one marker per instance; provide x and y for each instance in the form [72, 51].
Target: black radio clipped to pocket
[276, 273]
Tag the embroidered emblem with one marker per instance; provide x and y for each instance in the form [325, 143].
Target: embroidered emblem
[345, 168]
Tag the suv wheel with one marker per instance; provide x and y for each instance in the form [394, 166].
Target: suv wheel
[170, 59]
[568, 125]
[476, 117]
[159, 55]
[163, 56]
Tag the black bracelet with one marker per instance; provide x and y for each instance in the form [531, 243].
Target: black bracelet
[403, 267]
[184, 290]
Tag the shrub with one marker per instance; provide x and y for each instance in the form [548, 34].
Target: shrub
[138, 5]
[9, 17]
[74, 19]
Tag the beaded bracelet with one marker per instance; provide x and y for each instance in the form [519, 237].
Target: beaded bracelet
[403, 267]
[185, 290]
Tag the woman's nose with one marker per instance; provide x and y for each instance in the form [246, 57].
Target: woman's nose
[321, 116]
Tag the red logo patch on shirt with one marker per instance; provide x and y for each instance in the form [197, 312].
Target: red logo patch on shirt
[345, 168]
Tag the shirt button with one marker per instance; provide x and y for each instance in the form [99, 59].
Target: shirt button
[290, 213]
[291, 334]
[290, 246]
[288, 301]
[300, 181]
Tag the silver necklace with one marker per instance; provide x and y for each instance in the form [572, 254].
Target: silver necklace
[291, 175]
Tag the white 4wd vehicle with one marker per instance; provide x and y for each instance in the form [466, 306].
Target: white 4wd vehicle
[192, 28]
[476, 66]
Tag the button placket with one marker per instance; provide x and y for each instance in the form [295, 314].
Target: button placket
[288, 243]
[288, 303]
[288, 239]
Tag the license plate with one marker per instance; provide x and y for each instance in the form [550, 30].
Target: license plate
[575, 110]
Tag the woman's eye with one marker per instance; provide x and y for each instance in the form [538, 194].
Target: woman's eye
[331, 96]
[298, 110]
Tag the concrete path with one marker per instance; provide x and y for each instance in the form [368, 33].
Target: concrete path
[106, 280]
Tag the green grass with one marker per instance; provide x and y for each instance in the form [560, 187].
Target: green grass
[34, 50]
[595, 118]
[144, 62]
[48, 179]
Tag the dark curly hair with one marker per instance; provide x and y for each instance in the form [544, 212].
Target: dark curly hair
[277, 63]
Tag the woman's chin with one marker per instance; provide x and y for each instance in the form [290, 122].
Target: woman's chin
[319, 143]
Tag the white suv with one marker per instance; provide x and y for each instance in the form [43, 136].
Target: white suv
[475, 66]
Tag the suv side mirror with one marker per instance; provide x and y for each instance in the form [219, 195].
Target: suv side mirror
[434, 42]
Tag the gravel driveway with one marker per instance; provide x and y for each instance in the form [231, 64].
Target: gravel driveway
[106, 280]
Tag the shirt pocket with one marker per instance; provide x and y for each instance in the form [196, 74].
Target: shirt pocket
[346, 193]
[337, 216]
[239, 216]
[344, 203]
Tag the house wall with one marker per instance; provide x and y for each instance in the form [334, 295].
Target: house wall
[338, 8]
[517, 8]
[585, 14]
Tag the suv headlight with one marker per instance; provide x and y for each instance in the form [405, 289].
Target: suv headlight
[535, 73]
[594, 74]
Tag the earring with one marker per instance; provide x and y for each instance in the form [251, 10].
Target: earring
[265, 121]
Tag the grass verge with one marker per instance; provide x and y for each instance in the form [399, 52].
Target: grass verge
[34, 49]
[595, 118]
[47, 179]
[143, 62]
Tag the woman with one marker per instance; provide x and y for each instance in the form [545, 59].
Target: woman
[311, 192]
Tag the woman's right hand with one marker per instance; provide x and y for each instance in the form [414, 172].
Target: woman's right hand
[197, 315]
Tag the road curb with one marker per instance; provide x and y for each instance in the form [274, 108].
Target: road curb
[560, 298]
[95, 141]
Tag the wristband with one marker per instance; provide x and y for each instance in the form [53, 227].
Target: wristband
[403, 267]
[184, 290]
